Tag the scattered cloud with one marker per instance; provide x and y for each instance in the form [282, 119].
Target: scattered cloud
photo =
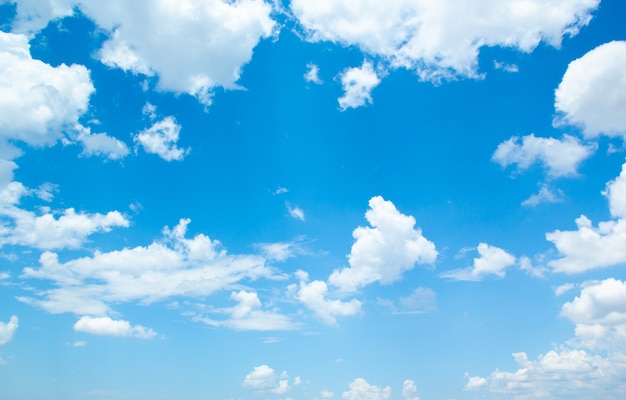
[38, 102]
[7, 330]
[101, 144]
[440, 39]
[161, 139]
[505, 67]
[409, 390]
[314, 296]
[361, 390]
[591, 247]
[561, 157]
[170, 267]
[295, 212]
[385, 250]
[263, 379]
[592, 93]
[358, 84]
[545, 195]
[106, 326]
[248, 315]
[493, 261]
[312, 74]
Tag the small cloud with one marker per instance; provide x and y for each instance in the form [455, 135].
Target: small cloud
[358, 84]
[7, 330]
[79, 344]
[108, 327]
[312, 74]
[561, 290]
[474, 382]
[280, 190]
[492, 261]
[545, 195]
[295, 212]
[161, 139]
[505, 67]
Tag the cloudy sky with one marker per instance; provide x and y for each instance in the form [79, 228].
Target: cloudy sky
[330, 199]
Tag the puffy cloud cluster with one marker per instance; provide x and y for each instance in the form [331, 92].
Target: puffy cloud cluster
[358, 84]
[560, 157]
[385, 250]
[589, 246]
[314, 295]
[592, 93]
[440, 39]
[173, 266]
[361, 390]
[493, 261]
[263, 379]
[205, 45]
[161, 139]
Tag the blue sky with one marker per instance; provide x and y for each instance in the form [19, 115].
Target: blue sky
[312, 200]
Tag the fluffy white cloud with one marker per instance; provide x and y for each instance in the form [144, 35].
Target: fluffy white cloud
[161, 139]
[101, 144]
[474, 382]
[592, 93]
[440, 38]
[313, 74]
[262, 379]
[7, 330]
[560, 374]
[358, 84]
[248, 315]
[46, 231]
[409, 390]
[34, 15]
[38, 102]
[384, 251]
[560, 157]
[591, 247]
[361, 390]
[109, 327]
[493, 261]
[599, 313]
[173, 266]
[314, 296]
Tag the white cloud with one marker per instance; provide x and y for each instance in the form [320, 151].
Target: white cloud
[440, 39]
[7, 330]
[101, 144]
[172, 266]
[560, 157]
[295, 212]
[409, 390]
[592, 93]
[545, 195]
[564, 288]
[262, 379]
[161, 139]
[47, 231]
[34, 15]
[358, 84]
[422, 300]
[108, 327]
[312, 74]
[505, 67]
[493, 261]
[474, 382]
[314, 296]
[361, 390]
[279, 251]
[616, 194]
[38, 102]
[326, 394]
[248, 315]
[384, 251]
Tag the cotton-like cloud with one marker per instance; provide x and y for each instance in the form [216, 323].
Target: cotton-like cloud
[559, 157]
[562, 373]
[589, 246]
[592, 93]
[263, 379]
[384, 251]
[205, 45]
[161, 139]
[106, 326]
[295, 212]
[545, 195]
[440, 39]
[7, 330]
[248, 315]
[361, 390]
[358, 84]
[172, 266]
[101, 144]
[493, 261]
[314, 295]
[38, 102]
[599, 313]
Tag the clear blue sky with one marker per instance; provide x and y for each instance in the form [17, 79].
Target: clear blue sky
[324, 199]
